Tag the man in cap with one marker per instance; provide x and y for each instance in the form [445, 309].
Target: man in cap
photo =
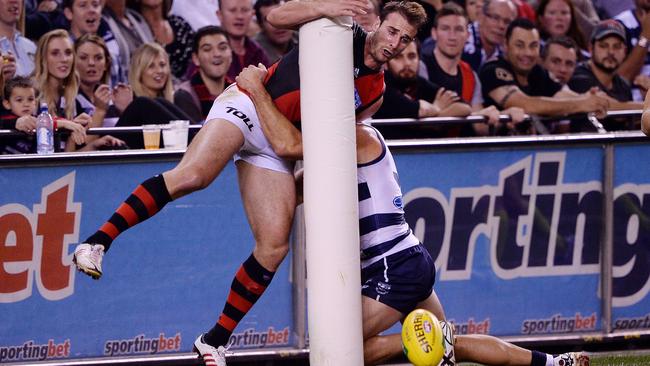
[608, 50]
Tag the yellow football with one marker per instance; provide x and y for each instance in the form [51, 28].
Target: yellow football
[422, 338]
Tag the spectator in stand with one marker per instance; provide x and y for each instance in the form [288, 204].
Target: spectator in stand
[408, 95]
[275, 41]
[486, 36]
[12, 24]
[473, 8]
[130, 31]
[608, 9]
[93, 64]
[369, 21]
[524, 10]
[58, 83]
[585, 15]
[212, 56]
[637, 29]
[153, 95]
[19, 106]
[607, 53]
[556, 18]
[170, 31]
[516, 79]
[84, 17]
[235, 17]
[199, 13]
[446, 69]
[560, 58]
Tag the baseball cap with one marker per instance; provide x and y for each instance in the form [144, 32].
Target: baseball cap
[606, 28]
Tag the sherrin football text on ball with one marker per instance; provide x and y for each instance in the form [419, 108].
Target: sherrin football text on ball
[422, 338]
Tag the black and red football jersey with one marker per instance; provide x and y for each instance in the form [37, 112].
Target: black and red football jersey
[283, 80]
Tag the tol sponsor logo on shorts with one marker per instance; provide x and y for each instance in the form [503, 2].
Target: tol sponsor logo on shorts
[252, 338]
[30, 351]
[559, 324]
[471, 326]
[34, 244]
[140, 344]
[237, 113]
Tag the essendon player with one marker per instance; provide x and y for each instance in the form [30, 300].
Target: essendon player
[265, 180]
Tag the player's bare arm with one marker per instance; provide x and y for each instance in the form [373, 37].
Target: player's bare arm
[284, 137]
[293, 14]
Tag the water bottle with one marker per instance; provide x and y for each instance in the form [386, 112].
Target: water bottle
[44, 131]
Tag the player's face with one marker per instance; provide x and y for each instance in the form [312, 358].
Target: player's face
[91, 63]
[235, 17]
[556, 18]
[608, 53]
[279, 36]
[450, 35]
[155, 75]
[560, 62]
[214, 56]
[405, 65]
[495, 20]
[10, 11]
[522, 50]
[23, 101]
[392, 36]
[60, 57]
[84, 16]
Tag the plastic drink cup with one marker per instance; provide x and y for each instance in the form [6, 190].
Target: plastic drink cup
[151, 135]
[180, 128]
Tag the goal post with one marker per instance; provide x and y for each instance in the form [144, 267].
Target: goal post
[330, 193]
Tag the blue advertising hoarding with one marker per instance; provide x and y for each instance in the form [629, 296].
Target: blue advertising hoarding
[516, 235]
[165, 281]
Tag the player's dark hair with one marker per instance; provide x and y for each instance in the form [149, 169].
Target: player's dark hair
[564, 41]
[258, 6]
[208, 30]
[447, 10]
[518, 23]
[412, 11]
[18, 82]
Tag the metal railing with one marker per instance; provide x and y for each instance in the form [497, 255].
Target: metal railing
[430, 121]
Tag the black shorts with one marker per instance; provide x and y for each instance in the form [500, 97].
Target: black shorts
[400, 280]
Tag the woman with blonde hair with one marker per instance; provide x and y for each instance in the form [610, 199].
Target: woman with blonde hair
[150, 73]
[57, 82]
[151, 81]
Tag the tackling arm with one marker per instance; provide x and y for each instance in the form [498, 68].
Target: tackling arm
[293, 14]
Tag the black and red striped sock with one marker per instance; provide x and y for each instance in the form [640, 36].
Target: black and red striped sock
[248, 285]
[145, 201]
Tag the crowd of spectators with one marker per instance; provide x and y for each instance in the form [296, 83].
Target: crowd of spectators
[106, 63]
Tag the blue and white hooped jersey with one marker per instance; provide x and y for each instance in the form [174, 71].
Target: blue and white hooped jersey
[382, 225]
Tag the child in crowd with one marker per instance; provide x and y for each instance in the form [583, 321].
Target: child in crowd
[19, 100]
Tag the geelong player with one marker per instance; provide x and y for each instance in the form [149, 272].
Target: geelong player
[266, 180]
[397, 272]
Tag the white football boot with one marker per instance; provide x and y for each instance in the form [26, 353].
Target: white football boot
[571, 359]
[449, 357]
[88, 259]
[211, 356]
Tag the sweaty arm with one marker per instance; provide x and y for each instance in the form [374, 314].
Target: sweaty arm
[293, 14]
[284, 137]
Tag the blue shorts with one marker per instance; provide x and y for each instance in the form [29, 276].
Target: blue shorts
[400, 280]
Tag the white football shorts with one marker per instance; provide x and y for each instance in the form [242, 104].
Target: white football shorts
[237, 108]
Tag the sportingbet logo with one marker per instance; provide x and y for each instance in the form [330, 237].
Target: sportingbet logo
[536, 226]
[34, 244]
